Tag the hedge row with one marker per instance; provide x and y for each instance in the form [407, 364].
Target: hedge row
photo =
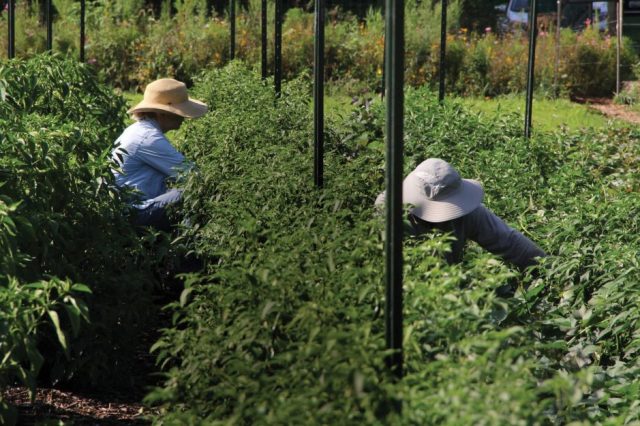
[285, 326]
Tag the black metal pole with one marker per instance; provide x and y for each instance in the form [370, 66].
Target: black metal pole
[82, 28]
[394, 65]
[232, 25]
[12, 29]
[49, 20]
[264, 39]
[318, 94]
[278, 49]
[443, 49]
[533, 33]
[383, 82]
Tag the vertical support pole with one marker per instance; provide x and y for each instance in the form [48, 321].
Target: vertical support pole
[620, 22]
[264, 38]
[556, 62]
[12, 29]
[82, 28]
[533, 32]
[232, 25]
[318, 95]
[49, 21]
[278, 49]
[383, 83]
[394, 65]
[443, 49]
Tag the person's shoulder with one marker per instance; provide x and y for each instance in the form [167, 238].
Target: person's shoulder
[140, 132]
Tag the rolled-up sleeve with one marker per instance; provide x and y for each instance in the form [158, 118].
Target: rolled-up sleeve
[494, 235]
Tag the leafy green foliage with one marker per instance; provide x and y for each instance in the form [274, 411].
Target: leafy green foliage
[286, 323]
[69, 226]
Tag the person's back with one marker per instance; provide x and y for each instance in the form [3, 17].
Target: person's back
[146, 160]
[442, 200]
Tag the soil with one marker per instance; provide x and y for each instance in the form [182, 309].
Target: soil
[74, 408]
[607, 108]
[66, 405]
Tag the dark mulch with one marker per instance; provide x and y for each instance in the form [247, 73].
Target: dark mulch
[74, 408]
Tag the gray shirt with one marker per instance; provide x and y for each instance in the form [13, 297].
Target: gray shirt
[486, 229]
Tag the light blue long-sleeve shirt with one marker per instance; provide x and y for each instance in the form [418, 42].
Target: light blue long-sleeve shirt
[147, 159]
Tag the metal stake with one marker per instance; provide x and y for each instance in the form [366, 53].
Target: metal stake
[232, 24]
[620, 21]
[49, 20]
[394, 66]
[556, 62]
[278, 49]
[12, 29]
[318, 94]
[533, 20]
[264, 39]
[82, 28]
[443, 49]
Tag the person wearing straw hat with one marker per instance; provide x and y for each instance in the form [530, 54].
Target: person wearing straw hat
[441, 199]
[146, 158]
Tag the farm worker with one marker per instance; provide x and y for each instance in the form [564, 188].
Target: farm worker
[441, 199]
[146, 157]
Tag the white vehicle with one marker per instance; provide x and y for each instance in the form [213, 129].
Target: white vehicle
[576, 16]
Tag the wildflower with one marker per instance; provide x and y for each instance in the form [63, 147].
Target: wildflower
[587, 22]
[487, 30]
[92, 61]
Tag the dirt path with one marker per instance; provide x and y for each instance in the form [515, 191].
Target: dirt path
[607, 108]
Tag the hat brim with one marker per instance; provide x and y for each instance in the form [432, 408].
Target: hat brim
[191, 108]
[459, 202]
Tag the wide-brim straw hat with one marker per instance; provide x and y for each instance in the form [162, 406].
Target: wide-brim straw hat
[169, 95]
[437, 193]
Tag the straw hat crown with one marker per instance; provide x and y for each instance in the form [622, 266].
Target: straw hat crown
[169, 95]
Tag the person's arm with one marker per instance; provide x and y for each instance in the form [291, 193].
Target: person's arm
[158, 153]
[488, 230]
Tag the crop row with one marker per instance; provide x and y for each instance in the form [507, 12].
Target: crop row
[285, 324]
[73, 270]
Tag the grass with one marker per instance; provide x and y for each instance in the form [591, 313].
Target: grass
[548, 114]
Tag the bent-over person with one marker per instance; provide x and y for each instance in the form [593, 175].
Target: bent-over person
[441, 199]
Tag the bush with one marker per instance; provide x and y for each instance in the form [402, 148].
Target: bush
[70, 226]
[131, 46]
[286, 324]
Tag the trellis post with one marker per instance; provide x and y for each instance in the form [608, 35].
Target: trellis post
[12, 29]
[443, 49]
[278, 49]
[264, 38]
[318, 94]
[394, 71]
[533, 19]
[232, 27]
[82, 28]
[49, 22]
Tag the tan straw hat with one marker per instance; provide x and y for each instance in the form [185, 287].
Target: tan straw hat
[437, 193]
[169, 95]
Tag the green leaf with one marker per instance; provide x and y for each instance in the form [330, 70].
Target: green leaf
[81, 288]
[55, 319]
